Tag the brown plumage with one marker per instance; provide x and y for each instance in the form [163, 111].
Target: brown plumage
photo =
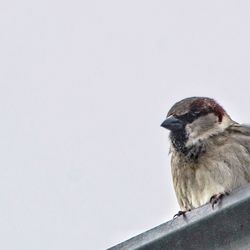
[210, 152]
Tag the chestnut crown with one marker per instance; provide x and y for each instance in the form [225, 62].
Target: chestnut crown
[193, 107]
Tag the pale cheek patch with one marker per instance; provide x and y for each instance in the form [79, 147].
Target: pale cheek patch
[204, 127]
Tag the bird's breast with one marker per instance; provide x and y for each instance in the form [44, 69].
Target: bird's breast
[194, 186]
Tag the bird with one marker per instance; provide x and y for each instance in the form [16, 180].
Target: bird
[210, 152]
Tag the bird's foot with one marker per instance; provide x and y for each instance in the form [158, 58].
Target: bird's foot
[217, 198]
[180, 213]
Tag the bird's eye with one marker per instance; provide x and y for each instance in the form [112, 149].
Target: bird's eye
[190, 116]
[195, 111]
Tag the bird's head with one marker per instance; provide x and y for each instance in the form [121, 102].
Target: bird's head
[193, 120]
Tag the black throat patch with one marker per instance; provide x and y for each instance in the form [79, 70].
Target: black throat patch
[179, 139]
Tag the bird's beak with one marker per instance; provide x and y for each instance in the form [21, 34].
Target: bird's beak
[172, 123]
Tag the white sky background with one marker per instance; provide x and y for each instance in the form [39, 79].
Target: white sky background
[85, 86]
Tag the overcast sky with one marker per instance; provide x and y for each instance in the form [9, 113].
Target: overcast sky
[85, 86]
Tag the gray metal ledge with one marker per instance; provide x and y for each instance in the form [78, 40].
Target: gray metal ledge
[227, 226]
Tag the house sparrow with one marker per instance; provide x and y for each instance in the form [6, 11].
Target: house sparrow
[210, 152]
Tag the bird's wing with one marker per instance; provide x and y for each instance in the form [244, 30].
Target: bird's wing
[240, 129]
[239, 138]
[240, 134]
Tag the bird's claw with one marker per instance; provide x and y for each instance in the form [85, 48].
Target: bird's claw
[180, 213]
[217, 198]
